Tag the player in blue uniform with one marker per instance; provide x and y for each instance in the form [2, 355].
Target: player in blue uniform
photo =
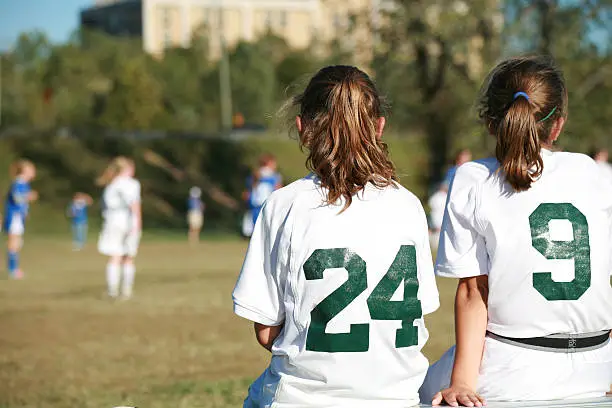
[265, 181]
[195, 214]
[16, 208]
[78, 214]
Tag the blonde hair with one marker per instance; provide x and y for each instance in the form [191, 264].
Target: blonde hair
[115, 167]
[519, 103]
[18, 167]
[339, 110]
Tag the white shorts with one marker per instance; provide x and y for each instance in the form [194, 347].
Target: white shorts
[247, 224]
[118, 241]
[511, 373]
[16, 226]
[195, 219]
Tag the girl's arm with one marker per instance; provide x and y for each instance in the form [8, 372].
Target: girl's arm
[267, 334]
[32, 196]
[136, 209]
[470, 331]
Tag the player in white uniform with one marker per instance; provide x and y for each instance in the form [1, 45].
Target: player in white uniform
[338, 274]
[121, 230]
[528, 234]
[437, 205]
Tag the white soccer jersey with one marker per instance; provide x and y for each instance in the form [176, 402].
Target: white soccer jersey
[350, 290]
[547, 251]
[117, 199]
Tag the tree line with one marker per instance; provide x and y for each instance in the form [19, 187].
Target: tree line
[428, 57]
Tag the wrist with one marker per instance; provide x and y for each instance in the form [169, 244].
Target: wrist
[462, 382]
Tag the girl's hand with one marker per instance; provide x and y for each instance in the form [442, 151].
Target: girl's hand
[33, 196]
[459, 395]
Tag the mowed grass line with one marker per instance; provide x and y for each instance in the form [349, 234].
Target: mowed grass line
[176, 344]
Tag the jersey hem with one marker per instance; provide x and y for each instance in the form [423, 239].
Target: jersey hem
[445, 271]
[253, 315]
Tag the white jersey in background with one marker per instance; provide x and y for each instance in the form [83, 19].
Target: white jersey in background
[350, 289]
[548, 256]
[117, 237]
[437, 204]
[606, 170]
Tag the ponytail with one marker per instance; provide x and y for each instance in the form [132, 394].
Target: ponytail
[520, 102]
[115, 167]
[340, 109]
[518, 145]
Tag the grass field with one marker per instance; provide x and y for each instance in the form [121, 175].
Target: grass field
[176, 344]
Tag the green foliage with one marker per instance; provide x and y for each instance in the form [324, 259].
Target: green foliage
[428, 58]
[135, 99]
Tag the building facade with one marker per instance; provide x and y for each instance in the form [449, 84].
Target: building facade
[171, 23]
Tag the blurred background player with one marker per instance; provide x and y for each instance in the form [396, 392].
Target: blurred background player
[265, 181]
[602, 157]
[349, 214]
[437, 205]
[78, 214]
[195, 214]
[16, 209]
[122, 225]
[260, 185]
[462, 157]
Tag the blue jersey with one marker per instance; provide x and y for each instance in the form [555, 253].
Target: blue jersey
[195, 204]
[78, 211]
[17, 202]
[262, 189]
[450, 175]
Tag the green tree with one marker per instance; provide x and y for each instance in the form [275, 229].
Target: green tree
[431, 59]
[135, 99]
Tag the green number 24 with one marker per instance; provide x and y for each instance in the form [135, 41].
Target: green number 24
[380, 305]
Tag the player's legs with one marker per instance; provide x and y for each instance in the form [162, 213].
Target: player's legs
[79, 231]
[111, 244]
[195, 221]
[253, 399]
[15, 230]
[129, 271]
[113, 275]
[132, 241]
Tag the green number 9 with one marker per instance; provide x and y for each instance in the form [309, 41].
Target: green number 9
[578, 249]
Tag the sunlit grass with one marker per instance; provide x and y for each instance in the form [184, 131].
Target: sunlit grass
[176, 344]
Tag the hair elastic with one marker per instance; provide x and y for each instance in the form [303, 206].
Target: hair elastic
[523, 94]
[552, 112]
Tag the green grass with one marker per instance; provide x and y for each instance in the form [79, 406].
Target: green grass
[176, 344]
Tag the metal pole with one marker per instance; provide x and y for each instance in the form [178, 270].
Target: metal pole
[225, 87]
[1, 58]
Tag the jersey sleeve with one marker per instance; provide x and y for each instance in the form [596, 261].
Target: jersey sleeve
[428, 290]
[132, 192]
[19, 193]
[462, 251]
[258, 295]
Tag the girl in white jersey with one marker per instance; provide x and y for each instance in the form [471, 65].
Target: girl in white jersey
[121, 230]
[528, 233]
[338, 274]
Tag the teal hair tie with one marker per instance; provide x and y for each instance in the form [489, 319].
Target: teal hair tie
[552, 112]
